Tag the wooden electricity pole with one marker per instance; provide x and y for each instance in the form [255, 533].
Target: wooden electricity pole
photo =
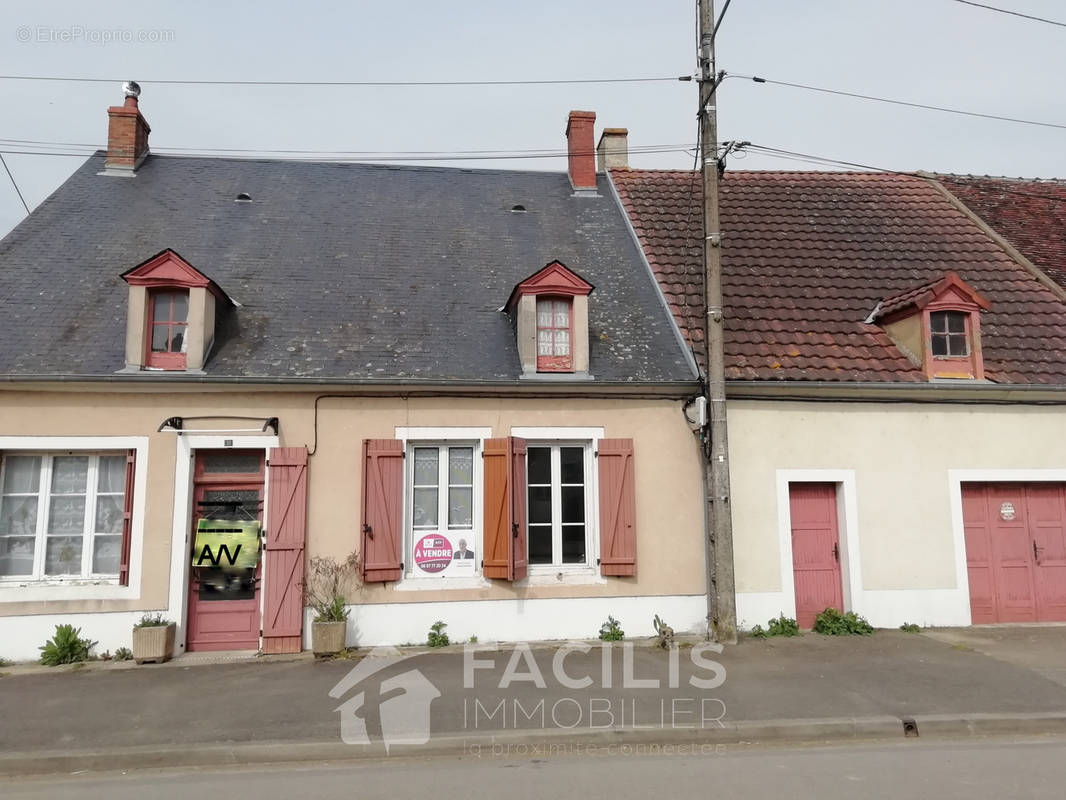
[720, 587]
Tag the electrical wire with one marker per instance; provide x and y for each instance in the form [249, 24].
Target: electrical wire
[13, 183]
[1012, 13]
[856, 95]
[175, 82]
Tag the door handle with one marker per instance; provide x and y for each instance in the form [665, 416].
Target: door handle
[369, 531]
[836, 551]
[1036, 552]
[514, 530]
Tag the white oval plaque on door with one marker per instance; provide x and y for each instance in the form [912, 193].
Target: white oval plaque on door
[1006, 511]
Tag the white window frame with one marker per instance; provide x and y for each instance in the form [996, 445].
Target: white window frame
[443, 437]
[28, 590]
[44, 495]
[570, 436]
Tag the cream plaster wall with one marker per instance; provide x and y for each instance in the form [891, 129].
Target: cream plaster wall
[901, 455]
[669, 519]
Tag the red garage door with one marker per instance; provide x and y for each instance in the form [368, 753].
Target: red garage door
[1016, 551]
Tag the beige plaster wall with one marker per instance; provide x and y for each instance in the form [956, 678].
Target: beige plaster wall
[669, 519]
[901, 455]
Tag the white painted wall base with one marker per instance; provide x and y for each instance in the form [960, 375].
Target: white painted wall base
[21, 637]
[517, 620]
[883, 608]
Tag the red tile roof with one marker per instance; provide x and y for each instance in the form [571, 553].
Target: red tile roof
[808, 255]
[1029, 214]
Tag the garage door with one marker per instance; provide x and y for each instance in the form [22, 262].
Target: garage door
[1016, 551]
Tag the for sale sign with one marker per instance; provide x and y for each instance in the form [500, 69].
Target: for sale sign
[226, 543]
[433, 553]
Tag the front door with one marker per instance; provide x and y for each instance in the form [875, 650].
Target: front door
[815, 550]
[224, 601]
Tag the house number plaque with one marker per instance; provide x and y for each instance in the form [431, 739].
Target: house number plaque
[1006, 511]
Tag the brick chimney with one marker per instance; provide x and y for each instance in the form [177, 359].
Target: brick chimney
[127, 134]
[613, 150]
[581, 150]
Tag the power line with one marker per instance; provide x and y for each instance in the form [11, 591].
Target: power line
[543, 82]
[856, 95]
[1012, 13]
[12, 177]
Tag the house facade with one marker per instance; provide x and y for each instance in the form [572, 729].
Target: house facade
[895, 380]
[469, 377]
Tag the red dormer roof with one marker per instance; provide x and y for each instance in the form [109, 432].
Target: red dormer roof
[950, 289]
[555, 279]
[168, 269]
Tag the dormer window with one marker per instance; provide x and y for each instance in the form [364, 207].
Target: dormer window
[550, 310]
[171, 315]
[168, 324]
[554, 334]
[948, 336]
[938, 327]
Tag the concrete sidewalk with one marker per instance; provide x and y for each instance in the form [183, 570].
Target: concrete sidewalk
[807, 688]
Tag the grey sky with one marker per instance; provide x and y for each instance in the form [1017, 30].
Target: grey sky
[929, 51]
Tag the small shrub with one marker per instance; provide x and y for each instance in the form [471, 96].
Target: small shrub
[781, 626]
[473, 640]
[833, 623]
[437, 637]
[123, 654]
[66, 647]
[759, 632]
[5, 662]
[611, 631]
[149, 620]
[910, 627]
[328, 584]
[664, 632]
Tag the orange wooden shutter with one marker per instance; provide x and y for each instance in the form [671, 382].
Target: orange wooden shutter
[283, 605]
[505, 509]
[127, 520]
[618, 508]
[382, 533]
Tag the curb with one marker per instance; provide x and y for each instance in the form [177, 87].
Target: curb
[520, 744]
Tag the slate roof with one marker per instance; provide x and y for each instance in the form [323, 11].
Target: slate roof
[342, 272]
[1029, 214]
[808, 255]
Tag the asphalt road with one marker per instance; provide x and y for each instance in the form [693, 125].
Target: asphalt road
[970, 770]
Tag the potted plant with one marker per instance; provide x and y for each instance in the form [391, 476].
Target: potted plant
[326, 587]
[153, 639]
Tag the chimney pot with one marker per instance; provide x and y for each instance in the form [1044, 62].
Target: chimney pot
[613, 150]
[127, 134]
[580, 149]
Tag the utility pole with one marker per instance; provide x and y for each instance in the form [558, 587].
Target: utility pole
[721, 592]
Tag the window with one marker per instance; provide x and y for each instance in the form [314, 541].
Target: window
[949, 338]
[168, 323]
[443, 540]
[554, 325]
[558, 524]
[61, 515]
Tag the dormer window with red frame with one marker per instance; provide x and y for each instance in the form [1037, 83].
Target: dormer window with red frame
[555, 323]
[550, 310]
[168, 327]
[938, 327]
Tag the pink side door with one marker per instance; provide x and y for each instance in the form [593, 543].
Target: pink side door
[224, 605]
[1047, 528]
[815, 550]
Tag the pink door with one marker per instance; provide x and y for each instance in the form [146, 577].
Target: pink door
[224, 603]
[815, 550]
[1016, 551]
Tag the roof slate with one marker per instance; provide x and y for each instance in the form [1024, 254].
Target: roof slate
[340, 271]
[1029, 214]
[807, 256]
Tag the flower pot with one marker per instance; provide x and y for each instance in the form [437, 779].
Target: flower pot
[154, 643]
[328, 638]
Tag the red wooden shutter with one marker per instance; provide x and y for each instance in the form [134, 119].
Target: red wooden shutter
[286, 522]
[127, 520]
[505, 509]
[382, 537]
[618, 508]
[519, 559]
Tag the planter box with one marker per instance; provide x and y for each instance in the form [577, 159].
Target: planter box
[328, 638]
[153, 644]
